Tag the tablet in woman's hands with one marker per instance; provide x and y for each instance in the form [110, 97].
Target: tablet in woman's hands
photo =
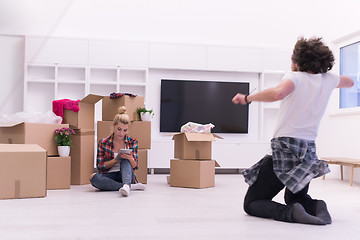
[126, 151]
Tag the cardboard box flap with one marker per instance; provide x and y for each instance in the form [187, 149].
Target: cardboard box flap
[217, 136]
[91, 98]
[21, 148]
[197, 137]
[217, 164]
[10, 124]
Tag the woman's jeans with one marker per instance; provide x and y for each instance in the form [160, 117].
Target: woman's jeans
[113, 181]
[258, 200]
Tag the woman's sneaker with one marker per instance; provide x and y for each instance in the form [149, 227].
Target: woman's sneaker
[138, 186]
[125, 190]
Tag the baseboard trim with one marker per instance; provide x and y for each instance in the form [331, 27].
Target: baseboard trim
[217, 170]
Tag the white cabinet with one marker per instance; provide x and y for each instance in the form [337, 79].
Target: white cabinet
[276, 60]
[177, 56]
[234, 59]
[115, 53]
[56, 50]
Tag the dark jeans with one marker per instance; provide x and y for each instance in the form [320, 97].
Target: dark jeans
[258, 200]
[113, 181]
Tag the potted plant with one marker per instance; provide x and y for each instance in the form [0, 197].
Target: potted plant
[144, 113]
[63, 139]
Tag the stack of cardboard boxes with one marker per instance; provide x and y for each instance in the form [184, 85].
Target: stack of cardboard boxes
[193, 166]
[141, 130]
[26, 157]
[82, 146]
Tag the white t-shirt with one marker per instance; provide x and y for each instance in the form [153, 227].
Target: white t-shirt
[301, 111]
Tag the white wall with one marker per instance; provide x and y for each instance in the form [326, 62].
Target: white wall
[11, 74]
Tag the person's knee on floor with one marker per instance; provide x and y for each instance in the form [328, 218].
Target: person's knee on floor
[91, 176]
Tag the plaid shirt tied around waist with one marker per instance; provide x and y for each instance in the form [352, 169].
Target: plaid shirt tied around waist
[295, 163]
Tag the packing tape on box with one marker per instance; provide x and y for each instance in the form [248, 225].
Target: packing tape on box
[17, 188]
[84, 132]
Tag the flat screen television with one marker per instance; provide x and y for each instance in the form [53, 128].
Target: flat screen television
[203, 102]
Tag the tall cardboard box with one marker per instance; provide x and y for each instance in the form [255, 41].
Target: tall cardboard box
[23, 172]
[193, 145]
[84, 118]
[42, 134]
[82, 156]
[58, 172]
[137, 129]
[192, 173]
[110, 107]
[141, 172]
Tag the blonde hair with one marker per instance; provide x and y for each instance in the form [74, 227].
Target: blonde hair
[121, 116]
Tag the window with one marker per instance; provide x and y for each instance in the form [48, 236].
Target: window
[350, 66]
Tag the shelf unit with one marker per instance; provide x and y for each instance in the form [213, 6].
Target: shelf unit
[47, 82]
[268, 111]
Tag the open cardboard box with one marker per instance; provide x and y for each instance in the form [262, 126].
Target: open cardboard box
[42, 134]
[84, 118]
[193, 145]
[23, 172]
[110, 107]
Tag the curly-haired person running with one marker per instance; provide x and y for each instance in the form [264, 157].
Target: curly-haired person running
[304, 94]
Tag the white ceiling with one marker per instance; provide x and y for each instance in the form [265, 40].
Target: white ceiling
[220, 22]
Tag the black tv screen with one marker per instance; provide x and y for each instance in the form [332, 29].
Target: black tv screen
[203, 102]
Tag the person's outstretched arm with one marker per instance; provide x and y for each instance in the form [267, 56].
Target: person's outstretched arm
[345, 82]
[268, 95]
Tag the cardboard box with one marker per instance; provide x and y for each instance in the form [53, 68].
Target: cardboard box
[84, 118]
[23, 172]
[142, 171]
[137, 129]
[42, 134]
[142, 132]
[110, 107]
[192, 173]
[193, 145]
[82, 156]
[104, 129]
[58, 172]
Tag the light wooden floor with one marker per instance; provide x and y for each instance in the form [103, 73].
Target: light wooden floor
[163, 212]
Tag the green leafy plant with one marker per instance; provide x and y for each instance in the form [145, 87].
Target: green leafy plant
[62, 136]
[140, 110]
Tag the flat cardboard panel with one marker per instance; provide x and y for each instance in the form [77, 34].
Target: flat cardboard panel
[82, 156]
[192, 173]
[58, 172]
[110, 107]
[184, 149]
[137, 129]
[23, 172]
[141, 172]
[42, 134]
